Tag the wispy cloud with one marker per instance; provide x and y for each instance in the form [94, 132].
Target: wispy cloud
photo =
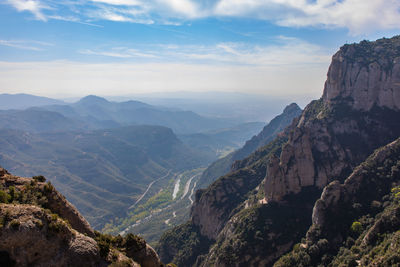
[284, 51]
[359, 16]
[25, 44]
[118, 52]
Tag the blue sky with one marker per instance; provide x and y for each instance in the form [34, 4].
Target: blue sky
[122, 47]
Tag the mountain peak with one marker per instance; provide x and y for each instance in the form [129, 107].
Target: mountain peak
[365, 75]
[93, 99]
[291, 108]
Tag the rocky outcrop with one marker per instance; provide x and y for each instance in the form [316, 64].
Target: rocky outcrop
[39, 227]
[337, 132]
[55, 201]
[366, 208]
[369, 182]
[146, 256]
[30, 235]
[215, 205]
[366, 75]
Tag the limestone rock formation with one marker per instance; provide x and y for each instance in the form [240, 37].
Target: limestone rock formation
[366, 208]
[361, 92]
[366, 75]
[363, 186]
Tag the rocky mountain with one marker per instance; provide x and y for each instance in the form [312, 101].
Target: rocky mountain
[39, 227]
[257, 212]
[268, 133]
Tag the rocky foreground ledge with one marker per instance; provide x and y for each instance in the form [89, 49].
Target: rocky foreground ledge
[39, 227]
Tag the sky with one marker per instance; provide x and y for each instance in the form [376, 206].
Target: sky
[276, 48]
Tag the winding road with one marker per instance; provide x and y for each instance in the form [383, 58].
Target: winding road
[147, 190]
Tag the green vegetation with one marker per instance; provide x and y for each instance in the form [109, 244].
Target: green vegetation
[164, 211]
[4, 197]
[362, 229]
[356, 227]
[187, 241]
[129, 244]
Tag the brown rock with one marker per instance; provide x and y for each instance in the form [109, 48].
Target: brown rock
[31, 236]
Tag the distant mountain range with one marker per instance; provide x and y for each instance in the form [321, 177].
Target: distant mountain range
[23, 101]
[100, 152]
[93, 112]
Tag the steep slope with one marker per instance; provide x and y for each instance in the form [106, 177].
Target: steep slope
[254, 223]
[48, 231]
[269, 132]
[101, 172]
[357, 220]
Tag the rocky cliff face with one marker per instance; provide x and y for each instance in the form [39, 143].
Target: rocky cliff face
[336, 133]
[215, 205]
[356, 223]
[39, 227]
[369, 182]
[358, 113]
[366, 75]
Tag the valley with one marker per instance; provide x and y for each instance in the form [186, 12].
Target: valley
[124, 178]
[159, 210]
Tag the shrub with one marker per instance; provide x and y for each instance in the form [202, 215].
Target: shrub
[39, 178]
[48, 187]
[104, 248]
[13, 194]
[134, 242]
[4, 197]
[356, 227]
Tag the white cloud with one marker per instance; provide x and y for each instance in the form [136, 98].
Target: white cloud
[359, 16]
[186, 8]
[35, 7]
[25, 44]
